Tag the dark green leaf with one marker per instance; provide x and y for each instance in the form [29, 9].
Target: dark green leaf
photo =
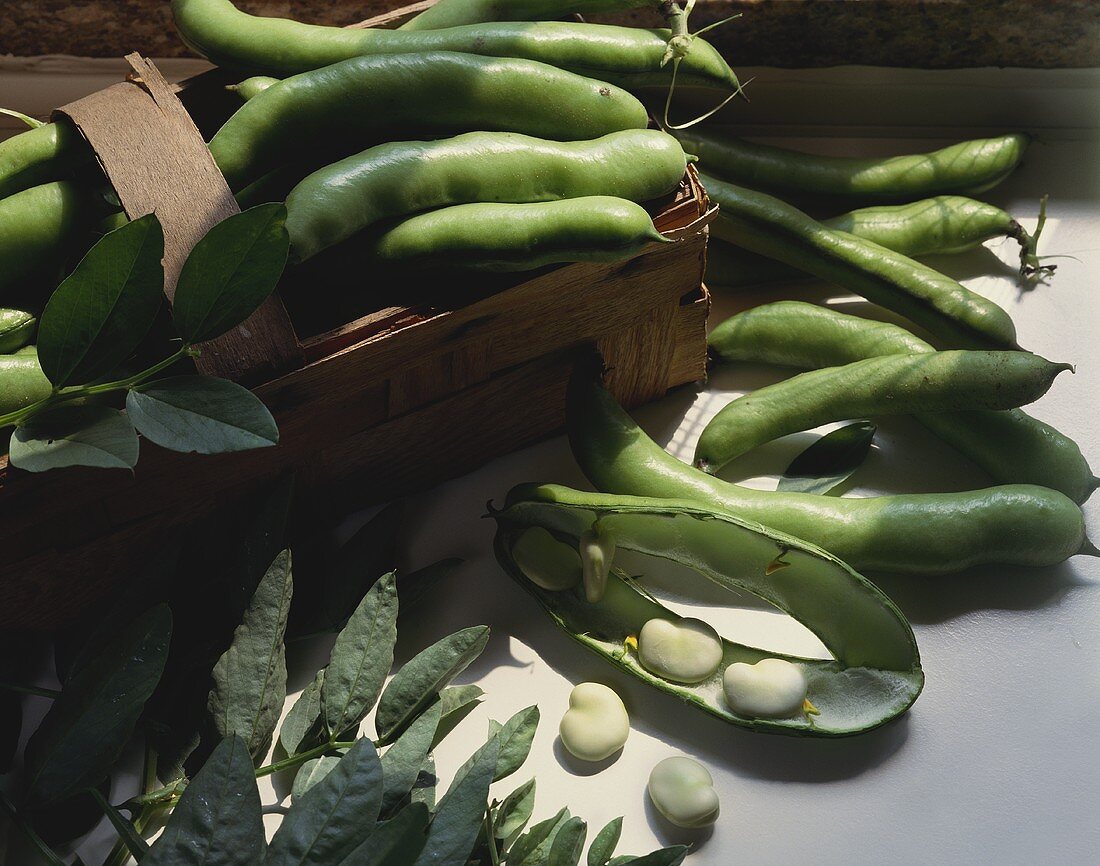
[673, 855]
[414, 586]
[830, 460]
[459, 815]
[457, 703]
[423, 790]
[137, 846]
[370, 552]
[312, 772]
[514, 813]
[396, 842]
[361, 658]
[87, 727]
[11, 726]
[301, 728]
[420, 680]
[402, 761]
[75, 436]
[71, 818]
[47, 854]
[103, 310]
[603, 846]
[533, 846]
[201, 414]
[218, 820]
[515, 736]
[264, 536]
[334, 816]
[250, 677]
[230, 272]
[568, 844]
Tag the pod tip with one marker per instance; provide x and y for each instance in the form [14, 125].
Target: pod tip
[1088, 549]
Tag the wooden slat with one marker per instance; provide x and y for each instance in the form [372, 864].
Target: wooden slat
[158, 162]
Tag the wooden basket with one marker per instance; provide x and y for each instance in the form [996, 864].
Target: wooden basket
[392, 402]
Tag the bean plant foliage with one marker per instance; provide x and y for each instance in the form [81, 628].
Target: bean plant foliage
[96, 321]
[356, 797]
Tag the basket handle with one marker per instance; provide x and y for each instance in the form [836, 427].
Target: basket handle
[157, 161]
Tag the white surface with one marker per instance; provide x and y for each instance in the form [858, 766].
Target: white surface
[998, 760]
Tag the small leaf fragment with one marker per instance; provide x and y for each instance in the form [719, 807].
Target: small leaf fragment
[830, 460]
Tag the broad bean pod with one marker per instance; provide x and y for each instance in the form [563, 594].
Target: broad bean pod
[22, 381]
[947, 309]
[875, 673]
[626, 56]
[941, 225]
[966, 168]
[376, 97]
[1012, 446]
[520, 237]
[39, 228]
[401, 178]
[454, 13]
[926, 533]
[884, 385]
[47, 153]
[16, 330]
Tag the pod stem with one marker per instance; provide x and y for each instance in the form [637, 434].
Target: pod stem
[1031, 266]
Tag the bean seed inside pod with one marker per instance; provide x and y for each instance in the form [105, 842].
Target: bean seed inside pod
[684, 651]
[770, 689]
[547, 562]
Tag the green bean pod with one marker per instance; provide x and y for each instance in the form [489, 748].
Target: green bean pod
[941, 225]
[926, 533]
[520, 237]
[626, 56]
[41, 155]
[885, 385]
[429, 94]
[39, 227]
[16, 330]
[252, 87]
[966, 168]
[1011, 446]
[401, 178]
[766, 225]
[22, 381]
[875, 674]
[455, 13]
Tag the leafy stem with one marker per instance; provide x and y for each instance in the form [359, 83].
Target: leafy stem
[77, 392]
[29, 690]
[491, 835]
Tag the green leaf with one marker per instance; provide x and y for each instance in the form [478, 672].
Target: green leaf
[673, 855]
[423, 790]
[420, 680]
[68, 820]
[47, 854]
[514, 813]
[458, 818]
[263, 538]
[396, 842]
[402, 761]
[568, 844]
[301, 729]
[457, 702]
[201, 414]
[533, 846]
[361, 658]
[312, 772]
[830, 460]
[230, 272]
[603, 846]
[137, 846]
[515, 736]
[90, 723]
[95, 436]
[103, 310]
[218, 820]
[250, 677]
[334, 816]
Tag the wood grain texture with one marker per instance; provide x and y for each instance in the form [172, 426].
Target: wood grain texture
[158, 163]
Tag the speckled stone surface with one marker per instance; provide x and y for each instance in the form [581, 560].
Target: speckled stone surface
[934, 34]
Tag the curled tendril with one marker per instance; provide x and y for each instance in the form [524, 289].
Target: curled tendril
[679, 44]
